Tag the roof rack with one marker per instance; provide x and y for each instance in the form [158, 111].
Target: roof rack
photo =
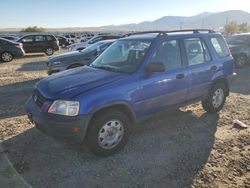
[171, 31]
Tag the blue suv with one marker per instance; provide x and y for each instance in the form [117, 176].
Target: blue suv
[136, 77]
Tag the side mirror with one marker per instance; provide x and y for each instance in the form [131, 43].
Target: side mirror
[155, 67]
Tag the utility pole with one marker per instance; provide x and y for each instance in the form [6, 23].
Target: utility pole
[181, 24]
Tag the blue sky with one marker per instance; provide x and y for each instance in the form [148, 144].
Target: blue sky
[88, 13]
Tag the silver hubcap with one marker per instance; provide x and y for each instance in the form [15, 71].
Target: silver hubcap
[218, 98]
[6, 56]
[241, 60]
[49, 51]
[110, 134]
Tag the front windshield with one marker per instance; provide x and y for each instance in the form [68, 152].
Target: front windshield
[236, 40]
[123, 56]
[94, 39]
[91, 48]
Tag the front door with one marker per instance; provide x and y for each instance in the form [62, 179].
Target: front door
[160, 91]
[28, 43]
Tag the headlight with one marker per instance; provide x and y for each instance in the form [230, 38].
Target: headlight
[66, 108]
[55, 63]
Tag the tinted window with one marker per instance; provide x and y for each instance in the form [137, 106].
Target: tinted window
[49, 37]
[169, 54]
[220, 46]
[28, 39]
[39, 38]
[237, 39]
[196, 51]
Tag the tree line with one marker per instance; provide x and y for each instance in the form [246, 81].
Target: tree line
[233, 28]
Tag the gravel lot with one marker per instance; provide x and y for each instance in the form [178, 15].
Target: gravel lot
[184, 148]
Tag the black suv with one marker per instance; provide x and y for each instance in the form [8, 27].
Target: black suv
[239, 46]
[39, 43]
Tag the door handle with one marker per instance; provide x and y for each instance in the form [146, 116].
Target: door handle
[213, 68]
[180, 76]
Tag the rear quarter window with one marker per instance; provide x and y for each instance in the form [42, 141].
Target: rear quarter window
[49, 37]
[220, 46]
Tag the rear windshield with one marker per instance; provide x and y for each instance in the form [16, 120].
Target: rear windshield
[220, 46]
[237, 39]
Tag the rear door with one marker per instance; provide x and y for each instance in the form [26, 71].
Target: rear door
[160, 91]
[201, 67]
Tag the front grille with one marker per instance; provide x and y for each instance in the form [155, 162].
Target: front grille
[38, 98]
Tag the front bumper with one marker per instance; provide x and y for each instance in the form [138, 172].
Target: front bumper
[57, 126]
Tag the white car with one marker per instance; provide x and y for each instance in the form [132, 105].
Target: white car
[83, 45]
[86, 37]
[70, 38]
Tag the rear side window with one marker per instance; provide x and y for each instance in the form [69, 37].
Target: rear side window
[197, 51]
[49, 37]
[220, 46]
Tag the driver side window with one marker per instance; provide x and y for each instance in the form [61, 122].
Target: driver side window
[27, 39]
[168, 53]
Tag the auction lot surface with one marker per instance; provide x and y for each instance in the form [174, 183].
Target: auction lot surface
[184, 148]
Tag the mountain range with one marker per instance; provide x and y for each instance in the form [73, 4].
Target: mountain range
[206, 20]
[202, 20]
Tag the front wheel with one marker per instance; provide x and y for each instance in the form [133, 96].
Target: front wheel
[6, 57]
[108, 133]
[216, 99]
[49, 51]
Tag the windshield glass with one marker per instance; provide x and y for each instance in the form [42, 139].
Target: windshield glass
[236, 40]
[123, 56]
[94, 40]
[91, 48]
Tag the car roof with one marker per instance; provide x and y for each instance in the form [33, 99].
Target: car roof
[107, 41]
[151, 36]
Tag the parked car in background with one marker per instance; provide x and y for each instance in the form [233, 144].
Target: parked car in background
[136, 77]
[10, 49]
[86, 37]
[77, 58]
[63, 42]
[39, 43]
[81, 46]
[239, 46]
[71, 38]
[9, 37]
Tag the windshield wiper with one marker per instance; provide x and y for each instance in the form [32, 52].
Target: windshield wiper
[108, 68]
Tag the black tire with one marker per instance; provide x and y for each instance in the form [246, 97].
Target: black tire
[49, 51]
[240, 61]
[97, 127]
[208, 104]
[74, 66]
[6, 57]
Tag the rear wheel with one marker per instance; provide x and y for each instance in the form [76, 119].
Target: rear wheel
[240, 61]
[6, 56]
[216, 99]
[108, 133]
[49, 51]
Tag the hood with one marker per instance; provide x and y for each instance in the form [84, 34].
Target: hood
[66, 56]
[70, 83]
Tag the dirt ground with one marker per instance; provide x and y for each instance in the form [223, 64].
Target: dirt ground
[184, 148]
